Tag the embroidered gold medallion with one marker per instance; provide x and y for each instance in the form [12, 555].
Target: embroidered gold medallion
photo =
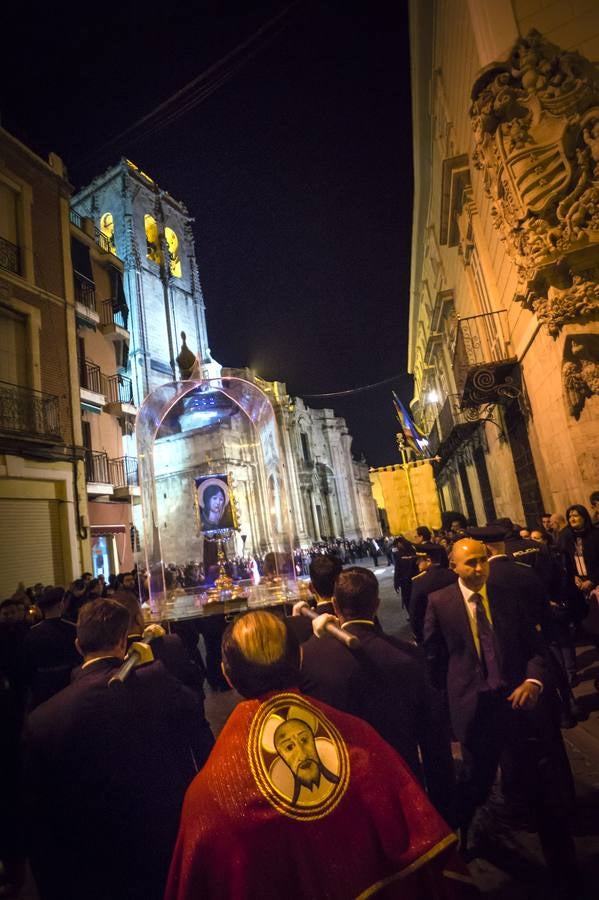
[297, 757]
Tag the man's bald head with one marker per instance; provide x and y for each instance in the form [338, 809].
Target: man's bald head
[470, 563]
[260, 654]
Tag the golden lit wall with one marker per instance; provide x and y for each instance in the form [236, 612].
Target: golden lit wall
[392, 493]
[174, 260]
[152, 242]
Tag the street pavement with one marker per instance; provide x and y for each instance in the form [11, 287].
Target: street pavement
[508, 864]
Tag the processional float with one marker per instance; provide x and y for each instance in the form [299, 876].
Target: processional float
[214, 491]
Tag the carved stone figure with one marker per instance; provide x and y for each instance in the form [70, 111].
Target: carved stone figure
[536, 125]
[580, 370]
[574, 303]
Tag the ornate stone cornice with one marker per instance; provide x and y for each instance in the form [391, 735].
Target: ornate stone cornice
[536, 125]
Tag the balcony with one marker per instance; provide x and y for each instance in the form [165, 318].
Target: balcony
[114, 320]
[29, 413]
[451, 428]
[483, 361]
[76, 219]
[87, 227]
[119, 396]
[85, 300]
[91, 389]
[101, 240]
[97, 473]
[10, 257]
[124, 476]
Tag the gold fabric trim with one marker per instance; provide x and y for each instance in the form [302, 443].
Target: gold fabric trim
[413, 867]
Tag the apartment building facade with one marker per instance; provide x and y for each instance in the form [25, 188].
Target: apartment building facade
[106, 403]
[44, 532]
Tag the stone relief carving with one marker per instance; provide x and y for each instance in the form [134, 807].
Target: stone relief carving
[536, 127]
[574, 303]
[580, 370]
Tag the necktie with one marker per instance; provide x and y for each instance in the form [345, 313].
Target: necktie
[488, 653]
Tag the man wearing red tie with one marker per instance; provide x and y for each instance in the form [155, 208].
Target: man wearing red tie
[482, 647]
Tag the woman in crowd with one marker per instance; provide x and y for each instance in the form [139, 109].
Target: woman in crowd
[579, 544]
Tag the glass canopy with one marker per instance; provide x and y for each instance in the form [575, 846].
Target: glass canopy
[214, 499]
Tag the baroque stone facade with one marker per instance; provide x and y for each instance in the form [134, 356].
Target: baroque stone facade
[535, 119]
[504, 312]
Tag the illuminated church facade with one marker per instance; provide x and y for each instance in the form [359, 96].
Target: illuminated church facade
[329, 492]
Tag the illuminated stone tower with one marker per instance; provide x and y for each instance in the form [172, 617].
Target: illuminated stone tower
[152, 233]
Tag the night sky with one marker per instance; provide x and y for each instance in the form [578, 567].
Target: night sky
[297, 170]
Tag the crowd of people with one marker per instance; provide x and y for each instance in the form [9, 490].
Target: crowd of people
[121, 791]
[563, 553]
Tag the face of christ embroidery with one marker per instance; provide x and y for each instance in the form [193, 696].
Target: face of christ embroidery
[298, 758]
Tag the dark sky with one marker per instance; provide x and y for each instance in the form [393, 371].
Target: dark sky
[297, 171]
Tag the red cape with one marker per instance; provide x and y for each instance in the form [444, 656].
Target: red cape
[372, 832]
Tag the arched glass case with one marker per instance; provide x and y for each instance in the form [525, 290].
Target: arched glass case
[214, 499]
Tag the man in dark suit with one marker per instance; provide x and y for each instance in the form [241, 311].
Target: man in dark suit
[49, 652]
[106, 769]
[423, 542]
[404, 555]
[438, 575]
[524, 579]
[384, 682]
[323, 573]
[168, 648]
[482, 645]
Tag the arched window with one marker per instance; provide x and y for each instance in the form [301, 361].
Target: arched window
[107, 229]
[152, 242]
[172, 242]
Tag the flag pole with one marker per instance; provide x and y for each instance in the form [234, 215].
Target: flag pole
[401, 445]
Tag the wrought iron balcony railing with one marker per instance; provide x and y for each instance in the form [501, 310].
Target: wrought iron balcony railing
[451, 427]
[118, 389]
[115, 314]
[10, 257]
[85, 291]
[97, 468]
[29, 412]
[79, 222]
[91, 377]
[76, 219]
[482, 358]
[101, 240]
[123, 472]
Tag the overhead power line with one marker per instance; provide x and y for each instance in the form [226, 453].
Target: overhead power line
[358, 390]
[202, 86]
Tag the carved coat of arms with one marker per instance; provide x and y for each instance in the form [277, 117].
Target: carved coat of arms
[536, 125]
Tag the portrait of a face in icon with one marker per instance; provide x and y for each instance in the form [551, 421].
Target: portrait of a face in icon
[300, 760]
[295, 743]
[214, 502]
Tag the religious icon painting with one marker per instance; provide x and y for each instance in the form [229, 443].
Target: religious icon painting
[298, 758]
[215, 504]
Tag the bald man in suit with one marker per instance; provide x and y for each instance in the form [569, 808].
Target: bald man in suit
[482, 647]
